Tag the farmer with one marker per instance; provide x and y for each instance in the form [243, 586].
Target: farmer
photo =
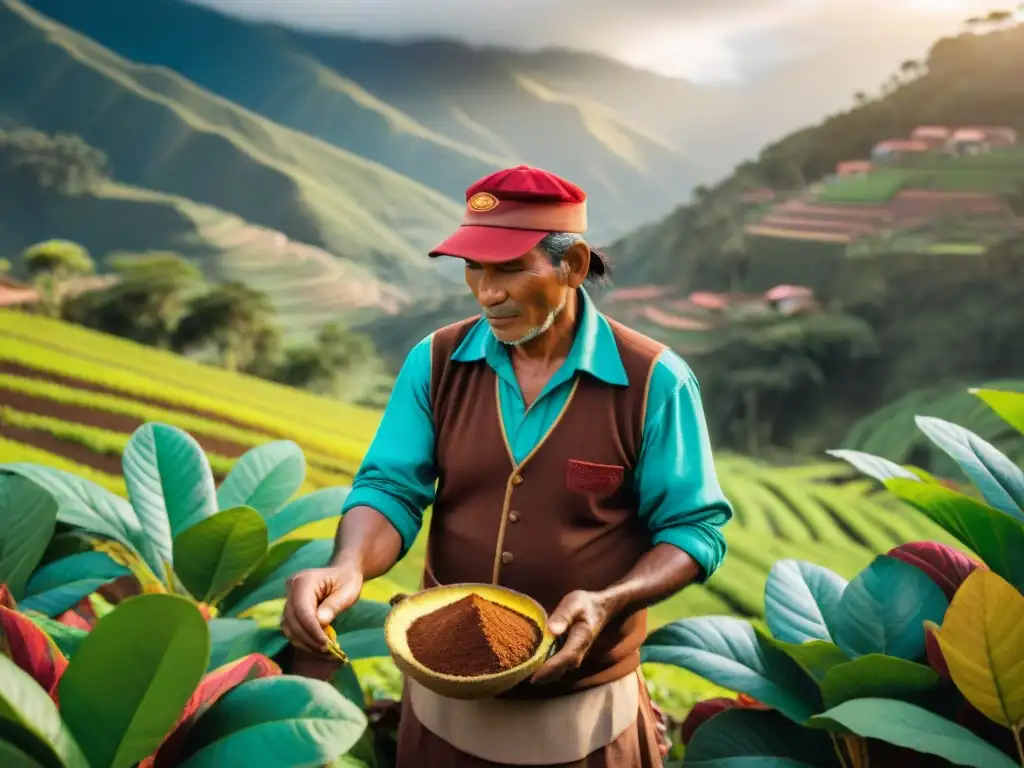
[572, 464]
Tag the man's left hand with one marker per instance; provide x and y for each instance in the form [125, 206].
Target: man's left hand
[580, 617]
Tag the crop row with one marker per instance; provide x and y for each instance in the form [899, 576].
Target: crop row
[11, 451]
[348, 448]
[170, 369]
[103, 403]
[109, 446]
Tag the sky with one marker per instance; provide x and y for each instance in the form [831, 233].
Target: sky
[707, 41]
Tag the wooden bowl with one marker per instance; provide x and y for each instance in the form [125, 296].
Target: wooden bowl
[413, 607]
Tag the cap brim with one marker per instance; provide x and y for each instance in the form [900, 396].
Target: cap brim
[489, 245]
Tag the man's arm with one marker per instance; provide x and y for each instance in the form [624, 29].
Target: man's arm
[383, 513]
[681, 500]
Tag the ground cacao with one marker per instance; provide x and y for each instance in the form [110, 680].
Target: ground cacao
[471, 637]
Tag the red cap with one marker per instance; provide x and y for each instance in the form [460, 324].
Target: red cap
[509, 212]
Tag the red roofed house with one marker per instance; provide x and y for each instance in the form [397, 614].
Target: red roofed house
[935, 136]
[853, 167]
[894, 149]
[14, 293]
[791, 299]
[969, 141]
[994, 136]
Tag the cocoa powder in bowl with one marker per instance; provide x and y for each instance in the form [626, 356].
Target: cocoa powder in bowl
[471, 637]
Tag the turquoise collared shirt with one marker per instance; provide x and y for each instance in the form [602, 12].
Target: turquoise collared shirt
[680, 498]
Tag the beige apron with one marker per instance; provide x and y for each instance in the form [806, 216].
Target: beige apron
[535, 732]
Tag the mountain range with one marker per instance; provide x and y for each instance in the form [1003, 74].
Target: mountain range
[320, 167]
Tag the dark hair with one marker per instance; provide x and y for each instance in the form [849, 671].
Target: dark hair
[557, 245]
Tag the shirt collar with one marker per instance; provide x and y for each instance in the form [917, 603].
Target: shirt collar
[593, 351]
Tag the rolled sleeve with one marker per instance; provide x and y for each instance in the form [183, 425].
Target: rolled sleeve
[399, 471]
[680, 497]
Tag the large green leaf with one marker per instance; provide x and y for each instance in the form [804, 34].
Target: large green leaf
[874, 466]
[346, 682]
[728, 652]
[877, 676]
[276, 556]
[59, 585]
[799, 599]
[130, 680]
[29, 517]
[85, 505]
[360, 630]
[290, 721]
[884, 608]
[27, 706]
[214, 555]
[1000, 481]
[264, 478]
[1009, 405]
[315, 554]
[909, 726]
[169, 482]
[231, 639]
[13, 757]
[815, 657]
[994, 536]
[319, 505]
[747, 738]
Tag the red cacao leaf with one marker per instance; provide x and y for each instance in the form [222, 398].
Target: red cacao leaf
[28, 646]
[73, 619]
[947, 567]
[210, 689]
[702, 712]
[749, 702]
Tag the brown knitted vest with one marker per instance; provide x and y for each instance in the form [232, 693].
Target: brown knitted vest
[566, 518]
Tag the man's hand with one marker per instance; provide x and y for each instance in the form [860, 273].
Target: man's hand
[580, 617]
[315, 598]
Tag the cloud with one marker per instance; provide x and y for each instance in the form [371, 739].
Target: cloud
[706, 40]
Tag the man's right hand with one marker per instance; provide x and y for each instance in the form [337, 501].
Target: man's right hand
[315, 598]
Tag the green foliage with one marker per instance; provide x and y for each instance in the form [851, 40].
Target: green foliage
[135, 690]
[890, 431]
[31, 161]
[886, 664]
[178, 533]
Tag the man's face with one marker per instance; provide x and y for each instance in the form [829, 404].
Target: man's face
[520, 298]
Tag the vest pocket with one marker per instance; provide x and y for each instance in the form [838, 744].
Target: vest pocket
[592, 479]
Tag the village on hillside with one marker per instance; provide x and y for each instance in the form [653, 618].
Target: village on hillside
[941, 190]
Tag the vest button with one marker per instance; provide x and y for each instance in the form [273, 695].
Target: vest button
[513, 517]
[506, 558]
[517, 480]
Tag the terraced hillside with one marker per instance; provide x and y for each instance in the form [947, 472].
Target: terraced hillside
[162, 132]
[439, 113]
[307, 286]
[71, 397]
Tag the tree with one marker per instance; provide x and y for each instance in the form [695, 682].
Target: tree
[232, 317]
[51, 266]
[317, 367]
[33, 162]
[758, 366]
[148, 300]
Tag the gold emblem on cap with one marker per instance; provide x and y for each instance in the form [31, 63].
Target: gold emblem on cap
[483, 201]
